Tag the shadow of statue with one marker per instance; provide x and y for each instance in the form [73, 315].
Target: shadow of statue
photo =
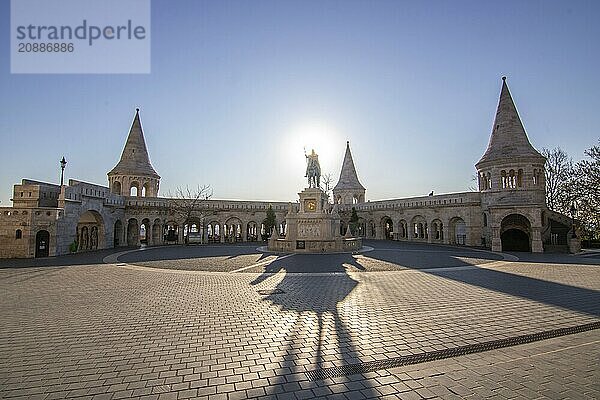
[317, 310]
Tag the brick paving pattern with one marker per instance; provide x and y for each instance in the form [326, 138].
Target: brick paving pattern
[110, 331]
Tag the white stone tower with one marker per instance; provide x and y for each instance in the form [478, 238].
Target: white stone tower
[133, 175]
[348, 190]
[511, 182]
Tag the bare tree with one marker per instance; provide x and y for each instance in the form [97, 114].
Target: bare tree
[327, 184]
[187, 204]
[558, 173]
[585, 192]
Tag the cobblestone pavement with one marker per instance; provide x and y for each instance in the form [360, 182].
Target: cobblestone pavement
[110, 331]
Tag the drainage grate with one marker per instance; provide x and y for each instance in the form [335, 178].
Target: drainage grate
[268, 292]
[370, 366]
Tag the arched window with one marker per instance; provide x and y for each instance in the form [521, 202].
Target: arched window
[485, 223]
[503, 179]
[133, 191]
[18, 234]
[520, 178]
[512, 179]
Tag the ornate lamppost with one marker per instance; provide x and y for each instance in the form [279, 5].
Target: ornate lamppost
[573, 211]
[63, 163]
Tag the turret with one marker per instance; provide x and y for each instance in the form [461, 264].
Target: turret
[511, 182]
[510, 163]
[133, 175]
[348, 190]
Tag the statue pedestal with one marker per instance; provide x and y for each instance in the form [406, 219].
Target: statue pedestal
[314, 228]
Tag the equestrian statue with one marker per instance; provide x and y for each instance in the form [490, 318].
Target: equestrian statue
[313, 169]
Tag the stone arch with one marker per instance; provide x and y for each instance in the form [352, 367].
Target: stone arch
[90, 228]
[437, 230]
[146, 191]
[234, 230]
[116, 187]
[193, 231]
[171, 232]
[360, 229]
[134, 189]
[145, 231]
[117, 233]
[458, 231]
[213, 231]
[252, 231]
[372, 230]
[387, 228]
[418, 227]
[515, 233]
[133, 232]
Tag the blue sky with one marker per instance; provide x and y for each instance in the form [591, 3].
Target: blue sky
[238, 88]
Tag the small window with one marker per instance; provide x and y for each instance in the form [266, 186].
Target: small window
[18, 234]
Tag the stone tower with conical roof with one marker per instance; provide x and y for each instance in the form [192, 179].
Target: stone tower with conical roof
[348, 190]
[511, 182]
[133, 175]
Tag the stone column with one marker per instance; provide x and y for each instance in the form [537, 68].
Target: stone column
[149, 240]
[244, 231]
[496, 239]
[180, 234]
[446, 233]
[536, 241]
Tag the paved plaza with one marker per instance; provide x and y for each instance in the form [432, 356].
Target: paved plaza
[406, 321]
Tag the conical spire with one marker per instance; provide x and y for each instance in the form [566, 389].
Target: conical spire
[508, 139]
[134, 159]
[348, 177]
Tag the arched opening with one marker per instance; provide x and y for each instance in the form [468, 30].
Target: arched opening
[171, 232]
[117, 233]
[372, 231]
[388, 228]
[419, 227]
[252, 233]
[234, 230]
[193, 231]
[359, 229]
[42, 244]
[90, 228]
[18, 234]
[133, 232]
[213, 230]
[458, 231]
[116, 188]
[134, 189]
[515, 240]
[343, 227]
[515, 233]
[145, 231]
[146, 190]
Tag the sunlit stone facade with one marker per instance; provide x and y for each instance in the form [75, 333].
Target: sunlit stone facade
[507, 213]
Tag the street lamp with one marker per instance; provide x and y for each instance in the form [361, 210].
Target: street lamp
[573, 211]
[63, 163]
